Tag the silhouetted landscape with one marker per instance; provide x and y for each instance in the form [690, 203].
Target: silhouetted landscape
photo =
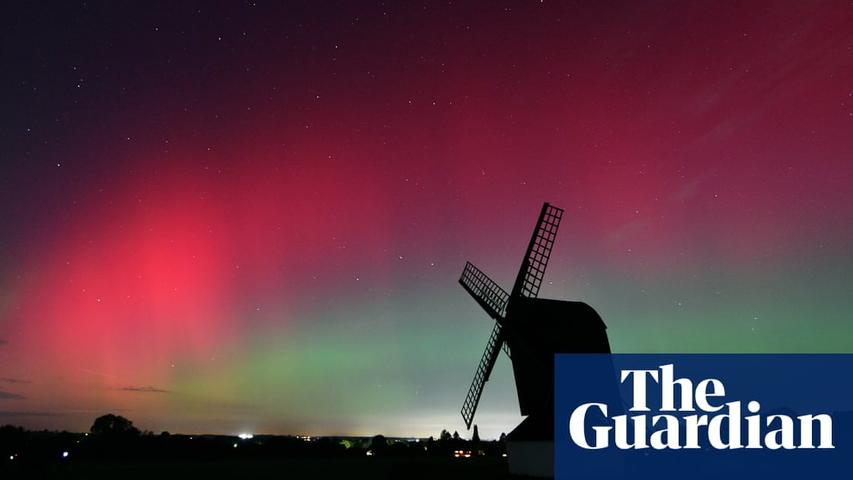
[114, 447]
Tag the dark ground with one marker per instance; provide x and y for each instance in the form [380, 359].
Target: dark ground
[115, 449]
[376, 468]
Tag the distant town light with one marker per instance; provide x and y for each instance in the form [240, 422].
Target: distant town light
[245, 436]
[369, 453]
[235, 445]
[64, 454]
[11, 457]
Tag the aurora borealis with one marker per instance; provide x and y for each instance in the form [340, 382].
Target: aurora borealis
[251, 216]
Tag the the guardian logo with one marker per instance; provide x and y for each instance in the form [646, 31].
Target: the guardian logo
[700, 415]
[703, 416]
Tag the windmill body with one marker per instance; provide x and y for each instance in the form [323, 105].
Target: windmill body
[531, 331]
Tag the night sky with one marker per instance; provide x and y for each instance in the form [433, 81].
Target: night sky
[251, 216]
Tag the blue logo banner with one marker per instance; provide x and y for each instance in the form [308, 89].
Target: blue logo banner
[720, 416]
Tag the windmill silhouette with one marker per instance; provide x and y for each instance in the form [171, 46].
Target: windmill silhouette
[530, 331]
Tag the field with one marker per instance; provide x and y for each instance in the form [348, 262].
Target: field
[376, 468]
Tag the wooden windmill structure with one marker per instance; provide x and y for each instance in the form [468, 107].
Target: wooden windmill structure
[530, 331]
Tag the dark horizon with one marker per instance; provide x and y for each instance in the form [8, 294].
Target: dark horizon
[466, 435]
[115, 446]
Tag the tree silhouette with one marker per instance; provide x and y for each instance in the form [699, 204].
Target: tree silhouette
[379, 444]
[113, 425]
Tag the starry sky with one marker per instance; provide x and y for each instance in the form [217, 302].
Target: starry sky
[251, 216]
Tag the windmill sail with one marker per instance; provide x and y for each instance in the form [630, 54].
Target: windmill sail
[485, 291]
[532, 270]
[484, 369]
[495, 300]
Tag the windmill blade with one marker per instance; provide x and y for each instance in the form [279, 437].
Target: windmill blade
[536, 259]
[485, 291]
[484, 369]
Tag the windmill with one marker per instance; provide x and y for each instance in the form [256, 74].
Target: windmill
[530, 331]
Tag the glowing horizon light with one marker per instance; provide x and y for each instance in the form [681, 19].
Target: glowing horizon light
[245, 436]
